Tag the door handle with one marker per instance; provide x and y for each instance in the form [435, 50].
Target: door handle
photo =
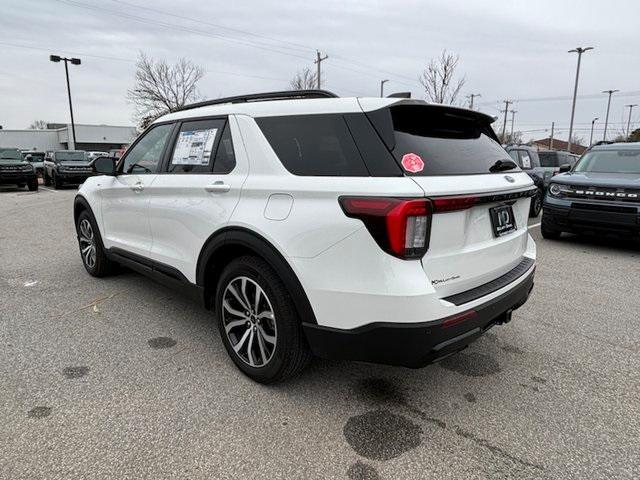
[218, 187]
[137, 187]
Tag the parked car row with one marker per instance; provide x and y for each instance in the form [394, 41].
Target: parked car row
[57, 168]
[541, 166]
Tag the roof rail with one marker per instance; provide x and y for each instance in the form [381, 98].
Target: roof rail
[260, 97]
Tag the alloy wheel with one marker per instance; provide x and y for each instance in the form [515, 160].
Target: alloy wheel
[87, 243]
[249, 321]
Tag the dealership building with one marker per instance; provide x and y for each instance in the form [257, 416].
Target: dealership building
[58, 136]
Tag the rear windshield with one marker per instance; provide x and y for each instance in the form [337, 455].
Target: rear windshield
[447, 142]
[63, 156]
[610, 161]
[549, 159]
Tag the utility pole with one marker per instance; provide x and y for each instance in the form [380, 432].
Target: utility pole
[593, 122]
[579, 51]
[74, 61]
[317, 61]
[606, 120]
[506, 111]
[471, 97]
[382, 82]
[629, 121]
[553, 126]
[513, 114]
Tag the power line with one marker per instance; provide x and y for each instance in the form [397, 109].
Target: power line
[632, 93]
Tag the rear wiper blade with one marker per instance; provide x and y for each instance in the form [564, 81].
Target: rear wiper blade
[502, 165]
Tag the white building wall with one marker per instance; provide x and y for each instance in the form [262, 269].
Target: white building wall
[30, 139]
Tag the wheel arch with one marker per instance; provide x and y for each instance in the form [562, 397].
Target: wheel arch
[230, 243]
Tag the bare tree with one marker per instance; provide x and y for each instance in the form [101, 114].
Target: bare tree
[514, 138]
[160, 88]
[38, 125]
[439, 79]
[305, 79]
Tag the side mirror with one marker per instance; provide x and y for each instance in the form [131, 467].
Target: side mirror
[565, 168]
[105, 166]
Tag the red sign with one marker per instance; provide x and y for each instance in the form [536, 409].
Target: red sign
[412, 163]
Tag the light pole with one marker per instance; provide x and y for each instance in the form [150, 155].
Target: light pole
[591, 136]
[579, 51]
[629, 121]
[74, 61]
[382, 82]
[606, 120]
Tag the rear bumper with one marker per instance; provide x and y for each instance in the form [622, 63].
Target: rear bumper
[416, 344]
[599, 217]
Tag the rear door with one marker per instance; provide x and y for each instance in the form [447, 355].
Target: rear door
[197, 190]
[454, 156]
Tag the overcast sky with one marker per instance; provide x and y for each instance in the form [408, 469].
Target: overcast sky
[508, 50]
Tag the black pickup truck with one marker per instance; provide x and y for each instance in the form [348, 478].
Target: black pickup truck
[14, 170]
[600, 194]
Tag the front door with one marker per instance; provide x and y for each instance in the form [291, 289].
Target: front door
[125, 199]
[197, 190]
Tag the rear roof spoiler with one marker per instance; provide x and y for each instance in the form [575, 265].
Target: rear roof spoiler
[459, 111]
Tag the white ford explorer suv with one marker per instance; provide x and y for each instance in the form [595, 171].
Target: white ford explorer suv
[382, 230]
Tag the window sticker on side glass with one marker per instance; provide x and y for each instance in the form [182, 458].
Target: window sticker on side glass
[194, 147]
[526, 161]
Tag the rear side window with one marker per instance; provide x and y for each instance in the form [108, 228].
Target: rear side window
[314, 145]
[448, 142]
[549, 159]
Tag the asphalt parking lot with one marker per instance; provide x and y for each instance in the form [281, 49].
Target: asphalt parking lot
[123, 378]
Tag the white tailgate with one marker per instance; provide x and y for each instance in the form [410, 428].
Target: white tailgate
[463, 251]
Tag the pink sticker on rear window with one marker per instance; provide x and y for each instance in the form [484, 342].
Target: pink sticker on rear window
[412, 163]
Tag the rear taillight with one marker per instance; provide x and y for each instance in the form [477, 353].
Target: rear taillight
[400, 226]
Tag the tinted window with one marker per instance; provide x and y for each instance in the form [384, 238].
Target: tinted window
[448, 142]
[146, 154]
[193, 151]
[610, 161]
[225, 160]
[316, 145]
[549, 159]
[10, 154]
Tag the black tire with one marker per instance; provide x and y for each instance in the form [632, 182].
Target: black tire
[33, 185]
[536, 204]
[46, 179]
[549, 233]
[57, 183]
[291, 353]
[102, 266]
[22, 185]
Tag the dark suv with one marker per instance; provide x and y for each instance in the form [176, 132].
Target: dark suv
[67, 167]
[527, 159]
[600, 194]
[14, 170]
[551, 161]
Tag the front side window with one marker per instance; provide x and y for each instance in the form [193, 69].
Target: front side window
[525, 159]
[194, 149]
[610, 161]
[146, 154]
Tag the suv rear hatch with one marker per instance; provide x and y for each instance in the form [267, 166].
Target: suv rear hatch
[454, 156]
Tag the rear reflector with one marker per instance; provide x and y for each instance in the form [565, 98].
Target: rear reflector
[452, 204]
[399, 226]
[459, 318]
